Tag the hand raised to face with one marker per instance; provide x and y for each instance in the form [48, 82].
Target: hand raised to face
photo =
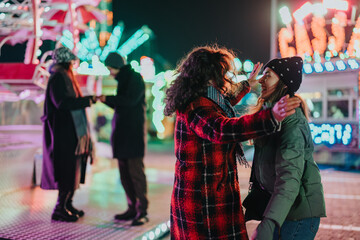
[253, 75]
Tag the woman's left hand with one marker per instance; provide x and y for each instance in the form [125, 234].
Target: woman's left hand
[253, 75]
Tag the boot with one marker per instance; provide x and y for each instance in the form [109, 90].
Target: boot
[129, 214]
[60, 213]
[70, 207]
[140, 219]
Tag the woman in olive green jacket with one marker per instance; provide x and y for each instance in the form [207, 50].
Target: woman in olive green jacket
[283, 163]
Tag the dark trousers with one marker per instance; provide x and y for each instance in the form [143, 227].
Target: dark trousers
[133, 179]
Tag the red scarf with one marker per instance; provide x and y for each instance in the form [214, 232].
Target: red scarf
[75, 83]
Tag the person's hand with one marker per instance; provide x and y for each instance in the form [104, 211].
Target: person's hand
[253, 75]
[93, 99]
[254, 235]
[102, 98]
[285, 107]
[264, 231]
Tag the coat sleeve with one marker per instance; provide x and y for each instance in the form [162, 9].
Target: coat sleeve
[208, 123]
[132, 97]
[289, 168]
[61, 96]
[243, 89]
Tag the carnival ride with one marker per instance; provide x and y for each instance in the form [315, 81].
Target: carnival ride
[32, 22]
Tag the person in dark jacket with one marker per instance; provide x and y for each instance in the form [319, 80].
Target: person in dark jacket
[128, 138]
[283, 164]
[205, 202]
[66, 138]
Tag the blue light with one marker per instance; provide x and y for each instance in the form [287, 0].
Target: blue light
[318, 67]
[329, 66]
[248, 66]
[307, 68]
[353, 64]
[330, 134]
[328, 55]
[237, 64]
[340, 65]
[113, 41]
[139, 37]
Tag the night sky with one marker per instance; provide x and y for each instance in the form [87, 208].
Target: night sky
[243, 26]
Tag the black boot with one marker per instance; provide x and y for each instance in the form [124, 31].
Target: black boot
[60, 213]
[140, 219]
[71, 208]
[129, 214]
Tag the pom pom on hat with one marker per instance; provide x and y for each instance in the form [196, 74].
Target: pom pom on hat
[114, 60]
[63, 55]
[289, 70]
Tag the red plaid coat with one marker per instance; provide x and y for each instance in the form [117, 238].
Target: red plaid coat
[206, 202]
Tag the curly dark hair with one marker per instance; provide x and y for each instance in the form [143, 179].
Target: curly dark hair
[202, 67]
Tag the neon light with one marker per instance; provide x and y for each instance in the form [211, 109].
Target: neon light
[286, 37]
[285, 15]
[158, 103]
[307, 68]
[302, 41]
[147, 68]
[336, 4]
[353, 46]
[67, 39]
[319, 10]
[338, 29]
[96, 68]
[318, 67]
[340, 65]
[113, 41]
[353, 64]
[329, 66]
[248, 66]
[302, 12]
[139, 37]
[318, 29]
[330, 134]
[237, 64]
[135, 65]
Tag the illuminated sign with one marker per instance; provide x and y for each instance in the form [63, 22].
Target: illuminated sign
[294, 39]
[331, 134]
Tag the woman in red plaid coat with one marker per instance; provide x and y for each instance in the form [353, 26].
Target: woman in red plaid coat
[205, 202]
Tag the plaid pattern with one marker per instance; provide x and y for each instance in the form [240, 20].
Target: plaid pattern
[206, 202]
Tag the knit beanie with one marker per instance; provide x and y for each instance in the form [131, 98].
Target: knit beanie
[114, 60]
[63, 55]
[289, 71]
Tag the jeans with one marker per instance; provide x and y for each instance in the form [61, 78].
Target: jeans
[304, 229]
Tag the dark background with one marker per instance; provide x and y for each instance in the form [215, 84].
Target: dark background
[179, 26]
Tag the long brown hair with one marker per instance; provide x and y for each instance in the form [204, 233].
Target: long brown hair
[202, 67]
[67, 66]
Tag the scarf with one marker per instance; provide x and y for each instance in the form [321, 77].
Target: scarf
[84, 146]
[214, 95]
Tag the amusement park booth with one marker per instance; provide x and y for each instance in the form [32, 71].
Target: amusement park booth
[332, 94]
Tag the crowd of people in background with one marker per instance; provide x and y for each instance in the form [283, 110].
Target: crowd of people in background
[286, 193]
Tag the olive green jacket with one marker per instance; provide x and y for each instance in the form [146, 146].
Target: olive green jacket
[284, 166]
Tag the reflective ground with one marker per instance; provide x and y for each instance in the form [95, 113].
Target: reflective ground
[25, 209]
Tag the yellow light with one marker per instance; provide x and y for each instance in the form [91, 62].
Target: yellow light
[286, 37]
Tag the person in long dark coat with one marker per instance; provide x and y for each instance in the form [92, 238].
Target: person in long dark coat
[66, 138]
[128, 137]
